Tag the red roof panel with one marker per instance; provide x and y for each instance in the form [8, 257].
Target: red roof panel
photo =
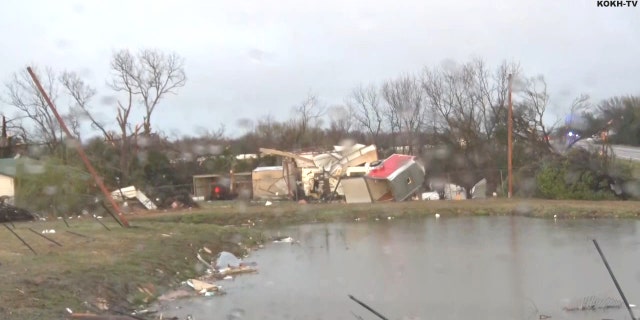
[389, 166]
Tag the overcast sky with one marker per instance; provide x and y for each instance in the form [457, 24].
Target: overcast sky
[250, 58]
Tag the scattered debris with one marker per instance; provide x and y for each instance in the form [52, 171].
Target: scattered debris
[91, 316]
[48, 231]
[132, 193]
[173, 295]
[45, 237]
[430, 196]
[593, 303]
[227, 260]
[228, 264]
[204, 288]
[10, 213]
[283, 240]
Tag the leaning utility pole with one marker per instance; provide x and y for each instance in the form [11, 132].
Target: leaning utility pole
[510, 141]
[83, 156]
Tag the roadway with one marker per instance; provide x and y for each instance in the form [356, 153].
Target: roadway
[620, 151]
[626, 152]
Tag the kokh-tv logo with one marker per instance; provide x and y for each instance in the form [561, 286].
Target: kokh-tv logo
[617, 3]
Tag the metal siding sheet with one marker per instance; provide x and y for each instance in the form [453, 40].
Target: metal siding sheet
[356, 190]
[266, 183]
[400, 186]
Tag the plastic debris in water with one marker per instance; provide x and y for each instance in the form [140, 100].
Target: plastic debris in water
[283, 240]
[227, 260]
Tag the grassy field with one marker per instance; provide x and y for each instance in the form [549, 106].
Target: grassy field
[128, 268]
[124, 267]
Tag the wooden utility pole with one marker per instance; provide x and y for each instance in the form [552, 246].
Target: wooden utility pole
[83, 156]
[510, 141]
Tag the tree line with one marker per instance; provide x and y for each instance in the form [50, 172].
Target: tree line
[453, 117]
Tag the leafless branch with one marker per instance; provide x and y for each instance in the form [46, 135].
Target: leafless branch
[405, 108]
[26, 98]
[365, 101]
[149, 75]
[81, 95]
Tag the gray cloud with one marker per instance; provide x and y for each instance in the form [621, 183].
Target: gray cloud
[252, 58]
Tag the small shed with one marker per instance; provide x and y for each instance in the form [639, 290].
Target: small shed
[237, 184]
[202, 185]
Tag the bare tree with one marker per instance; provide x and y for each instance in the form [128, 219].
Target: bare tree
[468, 105]
[11, 136]
[212, 134]
[405, 109]
[23, 94]
[150, 75]
[340, 118]
[534, 106]
[124, 81]
[81, 95]
[340, 123]
[365, 101]
[307, 115]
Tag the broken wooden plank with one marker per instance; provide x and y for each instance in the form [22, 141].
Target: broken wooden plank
[285, 154]
[90, 316]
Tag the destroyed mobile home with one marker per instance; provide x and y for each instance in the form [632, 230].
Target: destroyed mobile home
[353, 173]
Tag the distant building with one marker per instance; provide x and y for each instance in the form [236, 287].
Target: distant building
[8, 172]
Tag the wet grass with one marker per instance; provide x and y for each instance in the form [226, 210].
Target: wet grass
[125, 267]
[283, 213]
[131, 267]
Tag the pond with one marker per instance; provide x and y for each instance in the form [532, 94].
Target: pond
[446, 268]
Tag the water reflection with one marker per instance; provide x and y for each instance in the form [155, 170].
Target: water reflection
[447, 268]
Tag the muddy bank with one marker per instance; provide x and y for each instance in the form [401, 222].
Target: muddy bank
[119, 270]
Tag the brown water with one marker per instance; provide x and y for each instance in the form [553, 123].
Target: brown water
[447, 268]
